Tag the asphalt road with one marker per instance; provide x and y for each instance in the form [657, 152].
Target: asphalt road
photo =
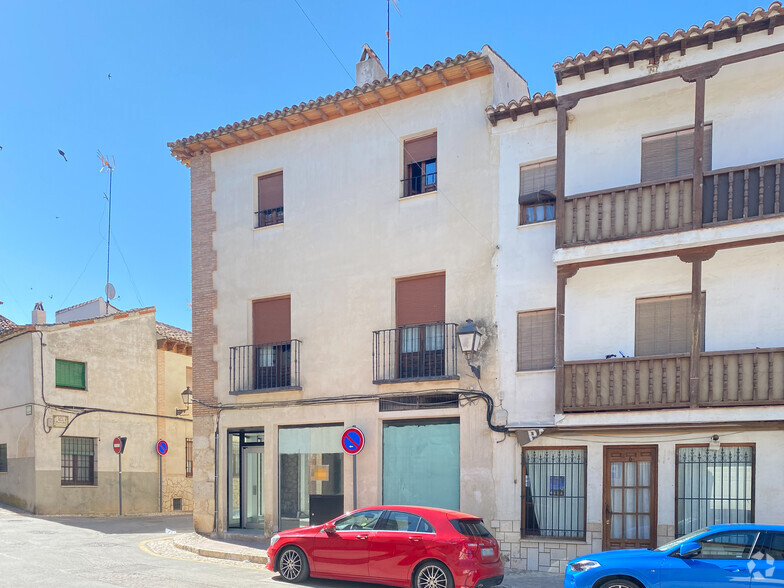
[133, 552]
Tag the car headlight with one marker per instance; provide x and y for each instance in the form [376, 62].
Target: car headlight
[583, 565]
[274, 540]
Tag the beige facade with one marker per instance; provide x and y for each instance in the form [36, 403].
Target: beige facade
[58, 433]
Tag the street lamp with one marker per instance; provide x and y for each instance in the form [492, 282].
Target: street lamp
[470, 337]
[187, 397]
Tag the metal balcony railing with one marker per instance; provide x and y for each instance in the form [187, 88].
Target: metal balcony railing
[272, 366]
[270, 216]
[415, 353]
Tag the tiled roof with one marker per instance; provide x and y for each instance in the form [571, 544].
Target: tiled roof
[7, 325]
[525, 105]
[171, 333]
[85, 304]
[350, 101]
[652, 49]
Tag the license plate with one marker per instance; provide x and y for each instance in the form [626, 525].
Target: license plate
[487, 552]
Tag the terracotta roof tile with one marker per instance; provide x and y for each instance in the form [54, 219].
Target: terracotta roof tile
[171, 333]
[298, 109]
[525, 105]
[7, 325]
[695, 35]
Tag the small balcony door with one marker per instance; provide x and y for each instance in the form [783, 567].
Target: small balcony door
[629, 497]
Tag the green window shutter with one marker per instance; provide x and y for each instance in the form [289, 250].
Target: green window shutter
[70, 374]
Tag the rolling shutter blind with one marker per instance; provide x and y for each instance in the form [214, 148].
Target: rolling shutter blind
[271, 320]
[420, 300]
[421, 149]
[539, 176]
[536, 340]
[671, 155]
[271, 191]
[69, 374]
[663, 325]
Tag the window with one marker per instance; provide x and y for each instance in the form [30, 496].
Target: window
[405, 521]
[663, 325]
[727, 545]
[671, 155]
[537, 192]
[3, 457]
[69, 374]
[770, 545]
[420, 165]
[77, 460]
[536, 340]
[188, 457]
[272, 343]
[713, 487]
[359, 521]
[418, 402]
[270, 209]
[554, 492]
[420, 311]
[414, 451]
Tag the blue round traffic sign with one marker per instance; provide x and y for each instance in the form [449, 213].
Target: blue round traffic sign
[162, 447]
[353, 440]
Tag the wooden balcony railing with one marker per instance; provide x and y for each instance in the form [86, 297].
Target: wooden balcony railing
[727, 378]
[729, 195]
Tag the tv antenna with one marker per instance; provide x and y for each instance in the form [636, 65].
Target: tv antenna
[389, 38]
[106, 166]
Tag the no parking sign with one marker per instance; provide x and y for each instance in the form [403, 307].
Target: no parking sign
[352, 441]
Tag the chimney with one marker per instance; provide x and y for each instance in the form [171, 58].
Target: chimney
[369, 68]
[39, 314]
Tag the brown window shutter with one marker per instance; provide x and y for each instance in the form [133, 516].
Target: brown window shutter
[539, 176]
[536, 340]
[271, 320]
[420, 300]
[271, 191]
[671, 155]
[663, 325]
[421, 149]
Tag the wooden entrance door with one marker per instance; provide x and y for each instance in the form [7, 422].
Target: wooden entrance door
[629, 497]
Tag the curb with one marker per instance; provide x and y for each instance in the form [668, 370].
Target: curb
[181, 542]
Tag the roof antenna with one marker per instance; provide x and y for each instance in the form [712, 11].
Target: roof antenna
[397, 8]
[105, 165]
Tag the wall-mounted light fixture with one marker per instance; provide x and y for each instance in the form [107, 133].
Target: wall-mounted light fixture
[470, 338]
[187, 398]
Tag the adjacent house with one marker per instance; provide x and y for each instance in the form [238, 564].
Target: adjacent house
[617, 244]
[70, 388]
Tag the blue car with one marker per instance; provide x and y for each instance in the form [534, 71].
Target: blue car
[720, 555]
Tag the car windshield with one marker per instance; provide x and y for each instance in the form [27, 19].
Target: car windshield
[680, 540]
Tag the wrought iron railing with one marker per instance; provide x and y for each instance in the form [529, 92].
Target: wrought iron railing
[271, 366]
[419, 184]
[727, 378]
[416, 352]
[270, 216]
[729, 195]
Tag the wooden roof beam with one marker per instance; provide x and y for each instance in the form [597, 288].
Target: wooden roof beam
[358, 103]
[339, 108]
[207, 148]
[534, 109]
[606, 64]
[253, 133]
[378, 96]
[269, 129]
[739, 33]
[581, 69]
[236, 138]
[288, 125]
[710, 39]
[399, 91]
[322, 114]
[683, 47]
[420, 85]
[305, 119]
[631, 59]
[465, 71]
[442, 78]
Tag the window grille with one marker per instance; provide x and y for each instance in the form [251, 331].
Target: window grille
[3, 457]
[714, 487]
[418, 402]
[77, 461]
[176, 503]
[188, 458]
[554, 493]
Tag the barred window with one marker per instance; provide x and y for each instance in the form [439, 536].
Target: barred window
[713, 487]
[188, 457]
[554, 492]
[77, 460]
[3, 457]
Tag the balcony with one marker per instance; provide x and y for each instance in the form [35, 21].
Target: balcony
[727, 378]
[415, 353]
[730, 195]
[263, 368]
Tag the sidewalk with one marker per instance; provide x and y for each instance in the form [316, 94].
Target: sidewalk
[248, 549]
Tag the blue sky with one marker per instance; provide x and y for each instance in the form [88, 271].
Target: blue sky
[178, 68]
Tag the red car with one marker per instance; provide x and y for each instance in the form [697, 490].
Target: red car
[396, 545]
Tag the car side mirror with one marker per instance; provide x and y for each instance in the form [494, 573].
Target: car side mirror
[689, 549]
[328, 528]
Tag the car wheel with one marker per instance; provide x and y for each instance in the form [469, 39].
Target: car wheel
[293, 565]
[432, 574]
[620, 583]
